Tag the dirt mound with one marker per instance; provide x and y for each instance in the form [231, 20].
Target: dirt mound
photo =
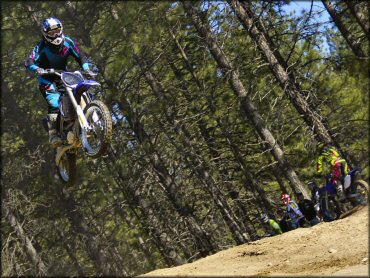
[338, 248]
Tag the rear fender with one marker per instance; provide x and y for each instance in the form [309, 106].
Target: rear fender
[60, 152]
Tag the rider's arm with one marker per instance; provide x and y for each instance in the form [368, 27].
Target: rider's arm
[32, 63]
[78, 54]
[319, 164]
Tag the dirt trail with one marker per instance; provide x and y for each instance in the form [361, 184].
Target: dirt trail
[339, 248]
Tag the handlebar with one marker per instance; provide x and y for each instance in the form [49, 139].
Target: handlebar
[90, 73]
[51, 72]
[59, 72]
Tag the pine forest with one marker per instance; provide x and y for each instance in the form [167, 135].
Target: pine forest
[218, 108]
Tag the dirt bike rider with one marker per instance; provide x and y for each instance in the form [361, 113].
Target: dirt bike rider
[338, 166]
[293, 212]
[52, 53]
[271, 225]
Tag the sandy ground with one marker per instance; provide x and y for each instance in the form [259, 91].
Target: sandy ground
[339, 248]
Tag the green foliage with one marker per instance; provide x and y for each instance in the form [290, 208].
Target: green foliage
[186, 145]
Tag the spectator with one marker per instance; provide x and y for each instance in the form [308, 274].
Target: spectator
[271, 225]
[293, 212]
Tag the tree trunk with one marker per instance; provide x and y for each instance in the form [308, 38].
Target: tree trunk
[275, 171]
[126, 217]
[33, 142]
[261, 196]
[71, 253]
[361, 15]
[257, 190]
[201, 167]
[79, 225]
[16, 116]
[232, 192]
[32, 254]
[204, 241]
[149, 220]
[286, 78]
[246, 104]
[355, 46]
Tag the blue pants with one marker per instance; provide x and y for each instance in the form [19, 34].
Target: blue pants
[51, 94]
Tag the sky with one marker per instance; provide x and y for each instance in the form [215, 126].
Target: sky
[299, 7]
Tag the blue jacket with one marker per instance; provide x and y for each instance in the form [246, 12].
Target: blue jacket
[46, 56]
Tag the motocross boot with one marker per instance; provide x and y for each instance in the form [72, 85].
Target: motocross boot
[341, 193]
[54, 139]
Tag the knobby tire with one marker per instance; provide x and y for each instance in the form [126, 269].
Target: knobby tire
[106, 119]
[67, 169]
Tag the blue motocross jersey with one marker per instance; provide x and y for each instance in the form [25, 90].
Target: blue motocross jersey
[47, 57]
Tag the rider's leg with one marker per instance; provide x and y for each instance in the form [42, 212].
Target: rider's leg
[52, 96]
[54, 138]
[337, 209]
[337, 179]
[343, 169]
[336, 173]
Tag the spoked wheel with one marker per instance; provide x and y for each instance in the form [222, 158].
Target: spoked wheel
[328, 210]
[67, 170]
[97, 140]
[362, 192]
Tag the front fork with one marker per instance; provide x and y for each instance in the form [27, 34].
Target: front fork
[81, 117]
[60, 151]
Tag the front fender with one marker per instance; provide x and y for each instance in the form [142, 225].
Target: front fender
[82, 87]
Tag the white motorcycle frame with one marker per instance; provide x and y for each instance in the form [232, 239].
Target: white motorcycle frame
[81, 119]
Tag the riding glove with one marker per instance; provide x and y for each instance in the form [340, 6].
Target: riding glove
[41, 71]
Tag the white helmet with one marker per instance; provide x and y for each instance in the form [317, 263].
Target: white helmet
[52, 31]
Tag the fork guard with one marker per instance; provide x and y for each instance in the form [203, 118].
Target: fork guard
[82, 87]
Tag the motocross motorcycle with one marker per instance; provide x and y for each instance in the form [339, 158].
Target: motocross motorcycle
[328, 206]
[335, 200]
[83, 121]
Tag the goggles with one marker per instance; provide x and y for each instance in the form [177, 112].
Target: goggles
[54, 32]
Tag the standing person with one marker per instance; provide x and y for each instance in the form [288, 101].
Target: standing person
[293, 212]
[308, 209]
[52, 53]
[284, 223]
[271, 225]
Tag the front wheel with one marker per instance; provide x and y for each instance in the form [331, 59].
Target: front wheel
[67, 170]
[97, 140]
[328, 210]
[362, 191]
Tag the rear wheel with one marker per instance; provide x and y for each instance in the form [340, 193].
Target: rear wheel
[97, 140]
[67, 170]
